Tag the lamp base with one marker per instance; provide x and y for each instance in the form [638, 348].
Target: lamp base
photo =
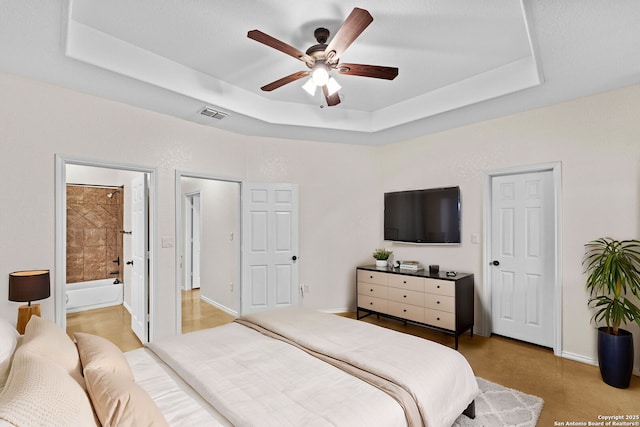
[24, 314]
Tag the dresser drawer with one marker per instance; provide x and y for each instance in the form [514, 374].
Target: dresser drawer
[440, 287]
[406, 311]
[372, 303]
[440, 302]
[441, 319]
[406, 297]
[406, 282]
[372, 290]
[372, 277]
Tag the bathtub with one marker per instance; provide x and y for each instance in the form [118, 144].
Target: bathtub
[93, 294]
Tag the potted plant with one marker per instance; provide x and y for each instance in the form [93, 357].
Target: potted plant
[613, 268]
[381, 256]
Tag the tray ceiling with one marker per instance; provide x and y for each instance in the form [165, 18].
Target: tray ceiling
[459, 61]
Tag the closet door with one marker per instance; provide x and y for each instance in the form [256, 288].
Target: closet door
[270, 246]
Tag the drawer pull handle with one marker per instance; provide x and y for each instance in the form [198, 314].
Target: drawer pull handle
[438, 286]
[405, 296]
[437, 302]
[404, 281]
[370, 277]
[371, 290]
[437, 318]
[372, 304]
[405, 310]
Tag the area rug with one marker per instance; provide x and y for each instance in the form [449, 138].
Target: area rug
[500, 406]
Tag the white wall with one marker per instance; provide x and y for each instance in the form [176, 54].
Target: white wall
[338, 186]
[597, 139]
[339, 215]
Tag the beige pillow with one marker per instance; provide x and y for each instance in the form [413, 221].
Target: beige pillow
[119, 401]
[40, 392]
[44, 337]
[100, 353]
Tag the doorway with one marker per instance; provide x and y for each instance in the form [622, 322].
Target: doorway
[522, 285]
[126, 190]
[207, 251]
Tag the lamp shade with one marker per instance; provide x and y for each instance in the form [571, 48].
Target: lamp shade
[29, 285]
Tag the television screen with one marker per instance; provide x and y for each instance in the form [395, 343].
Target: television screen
[423, 216]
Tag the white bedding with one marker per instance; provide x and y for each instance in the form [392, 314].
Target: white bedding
[251, 379]
[179, 403]
[438, 377]
[254, 380]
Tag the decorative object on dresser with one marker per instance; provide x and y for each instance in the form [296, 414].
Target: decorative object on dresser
[410, 265]
[613, 268]
[27, 286]
[382, 257]
[436, 301]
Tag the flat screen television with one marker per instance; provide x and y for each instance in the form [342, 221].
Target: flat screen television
[429, 216]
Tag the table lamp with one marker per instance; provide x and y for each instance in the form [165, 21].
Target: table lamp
[27, 286]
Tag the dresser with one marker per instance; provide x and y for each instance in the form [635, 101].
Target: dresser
[437, 301]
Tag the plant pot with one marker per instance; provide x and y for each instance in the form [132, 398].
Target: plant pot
[615, 357]
[381, 263]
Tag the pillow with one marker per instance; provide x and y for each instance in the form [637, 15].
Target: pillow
[44, 337]
[8, 341]
[99, 353]
[40, 392]
[118, 401]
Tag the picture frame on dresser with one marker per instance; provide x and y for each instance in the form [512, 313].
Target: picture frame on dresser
[439, 301]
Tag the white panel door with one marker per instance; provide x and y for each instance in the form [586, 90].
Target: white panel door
[522, 257]
[269, 246]
[139, 250]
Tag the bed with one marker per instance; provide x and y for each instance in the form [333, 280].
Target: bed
[288, 367]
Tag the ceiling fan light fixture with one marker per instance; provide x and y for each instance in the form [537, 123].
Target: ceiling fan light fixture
[310, 87]
[320, 75]
[333, 86]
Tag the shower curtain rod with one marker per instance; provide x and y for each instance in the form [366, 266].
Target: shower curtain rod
[114, 187]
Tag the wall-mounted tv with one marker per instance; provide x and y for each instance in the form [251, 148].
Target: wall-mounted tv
[429, 216]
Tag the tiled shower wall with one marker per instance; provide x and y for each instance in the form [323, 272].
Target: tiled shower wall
[94, 240]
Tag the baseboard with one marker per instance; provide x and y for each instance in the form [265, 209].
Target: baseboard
[219, 306]
[126, 306]
[589, 360]
[579, 358]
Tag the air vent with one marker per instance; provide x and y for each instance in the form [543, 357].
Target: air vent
[215, 114]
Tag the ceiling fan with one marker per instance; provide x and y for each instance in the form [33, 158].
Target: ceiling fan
[321, 58]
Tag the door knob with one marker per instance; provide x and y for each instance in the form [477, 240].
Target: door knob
[294, 257]
[495, 262]
[130, 262]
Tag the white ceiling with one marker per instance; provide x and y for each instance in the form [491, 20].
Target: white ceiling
[460, 61]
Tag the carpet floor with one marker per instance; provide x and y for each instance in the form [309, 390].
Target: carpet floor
[500, 406]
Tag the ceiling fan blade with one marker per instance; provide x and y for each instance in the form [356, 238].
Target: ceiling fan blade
[331, 99]
[285, 80]
[266, 39]
[353, 26]
[375, 71]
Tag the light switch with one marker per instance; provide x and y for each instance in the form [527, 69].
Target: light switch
[475, 238]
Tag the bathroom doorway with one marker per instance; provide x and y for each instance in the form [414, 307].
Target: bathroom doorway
[103, 290]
